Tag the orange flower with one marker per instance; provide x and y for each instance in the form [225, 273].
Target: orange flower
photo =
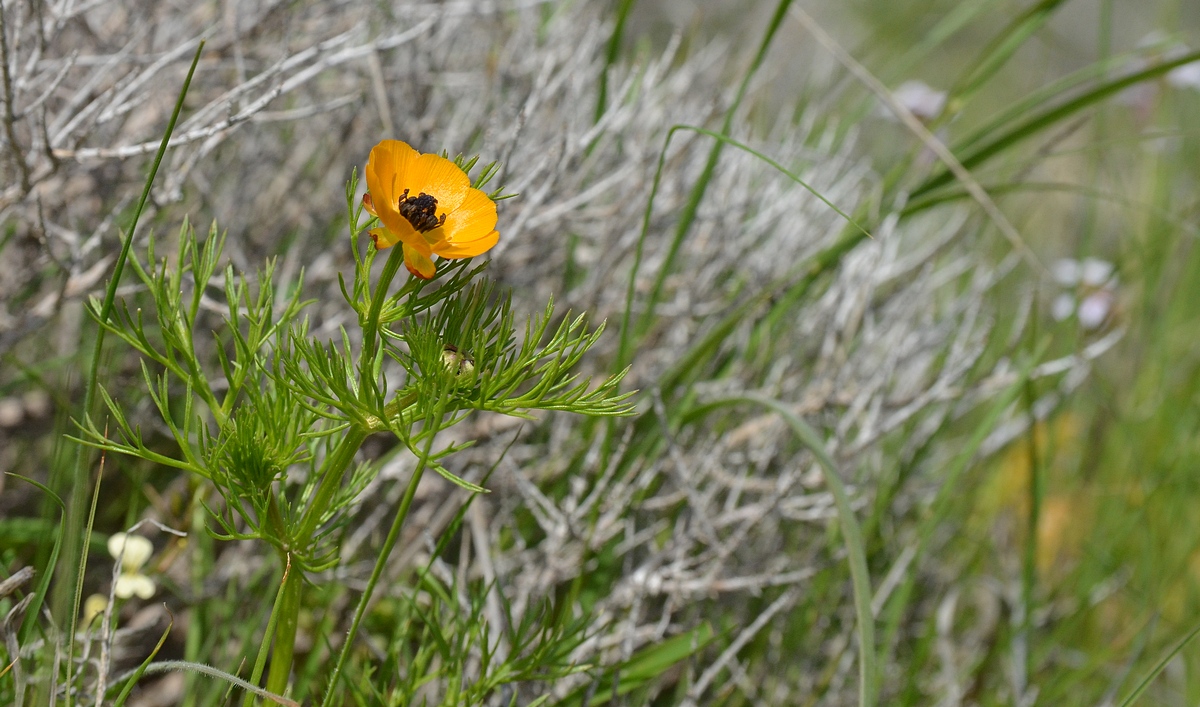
[427, 204]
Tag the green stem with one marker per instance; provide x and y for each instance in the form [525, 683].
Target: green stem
[860, 578]
[370, 342]
[74, 545]
[335, 467]
[280, 633]
[286, 614]
[342, 455]
[331, 475]
[388, 544]
[201, 552]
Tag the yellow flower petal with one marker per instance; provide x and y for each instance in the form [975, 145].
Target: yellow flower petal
[440, 178]
[418, 263]
[472, 221]
[469, 249]
[388, 161]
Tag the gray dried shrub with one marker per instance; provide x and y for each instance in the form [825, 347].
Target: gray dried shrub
[288, 98]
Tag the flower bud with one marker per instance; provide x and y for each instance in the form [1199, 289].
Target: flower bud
[458, 363]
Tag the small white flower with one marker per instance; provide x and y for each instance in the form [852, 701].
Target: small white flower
[1066, 271]
[1091, 291]
[133, 551]
[1062, 307]
[1096, 272]
[1095, 308]
[130, 585]
[921, 99]
[1186, 76]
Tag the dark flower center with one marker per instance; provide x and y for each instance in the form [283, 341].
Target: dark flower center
[421, 211]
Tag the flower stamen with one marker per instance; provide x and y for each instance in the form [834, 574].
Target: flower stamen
[420, 211]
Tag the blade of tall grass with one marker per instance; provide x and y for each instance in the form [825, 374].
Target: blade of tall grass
[958, 18]
[611, 52]
[721, 139]
[260, 662]
[1052, 115]
[948, 493]
[893, 68]
[141, 669]
[856, 557]
[1134, 696]
[167, 666]
[43, 585]
[1094, 194]
[75, 548]
[997, 53]
[82, 567]
[953, 165]
[642, 667]
[1040, 97]
[1091, 217]
[688, 216]
[1035, 496]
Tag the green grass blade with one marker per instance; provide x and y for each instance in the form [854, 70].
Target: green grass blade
[260, 662]
[76, 549]
[627, 336]
[1038, 98]
[644, 666]
[956, 19]
[611, 52]
[1158, 668]
[856, 556]
[141, 669]
[1003, 47]
[43, 585]
[697, 195]
[1053, 115]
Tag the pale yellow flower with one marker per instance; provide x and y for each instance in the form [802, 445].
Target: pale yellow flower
[93, 606]
[133, 551]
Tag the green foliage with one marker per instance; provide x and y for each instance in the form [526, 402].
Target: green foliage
[272, 403]
[435, 635]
